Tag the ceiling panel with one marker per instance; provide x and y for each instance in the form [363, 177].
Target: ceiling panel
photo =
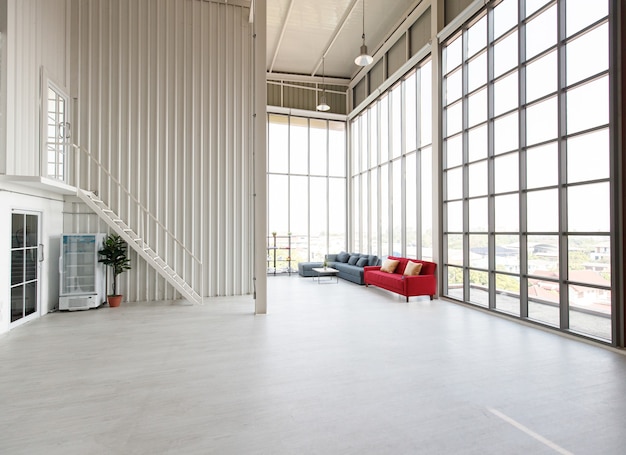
[300, 32]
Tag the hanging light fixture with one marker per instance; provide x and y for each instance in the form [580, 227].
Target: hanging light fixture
[364, 58]
[323, 106]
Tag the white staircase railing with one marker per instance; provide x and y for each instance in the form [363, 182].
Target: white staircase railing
[183, 283]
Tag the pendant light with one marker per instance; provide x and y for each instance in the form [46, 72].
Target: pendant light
[323, 106]
[364, 58]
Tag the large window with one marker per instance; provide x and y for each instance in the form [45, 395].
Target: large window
[307, 184]
[526, 163]
[391, 170]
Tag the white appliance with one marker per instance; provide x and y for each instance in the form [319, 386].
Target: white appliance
[82, 277]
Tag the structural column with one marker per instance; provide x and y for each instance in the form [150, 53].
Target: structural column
[259, 13]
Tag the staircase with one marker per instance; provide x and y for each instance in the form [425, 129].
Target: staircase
[139, 245]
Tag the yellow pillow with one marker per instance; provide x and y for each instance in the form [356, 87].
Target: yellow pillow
[389, 265]
[413, 268]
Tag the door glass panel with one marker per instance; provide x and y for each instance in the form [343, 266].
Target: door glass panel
[17, 303]
[17, 267]
[57, 133]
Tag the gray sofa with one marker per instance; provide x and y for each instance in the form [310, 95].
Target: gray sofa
[350, 265]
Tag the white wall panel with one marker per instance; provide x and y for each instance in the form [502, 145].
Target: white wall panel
[164, 102]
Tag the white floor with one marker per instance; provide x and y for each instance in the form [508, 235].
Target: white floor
[332, 369]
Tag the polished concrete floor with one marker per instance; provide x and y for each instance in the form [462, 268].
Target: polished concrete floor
[331, 369]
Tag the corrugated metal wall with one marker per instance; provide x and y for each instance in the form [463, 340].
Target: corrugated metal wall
[36, 38]
[163, 94]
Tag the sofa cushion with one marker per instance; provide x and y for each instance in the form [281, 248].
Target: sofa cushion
[412, 268]
[401, 263]
[389, 265]
[362, 262]
[343, 257]
[354, 258]
[372, 260]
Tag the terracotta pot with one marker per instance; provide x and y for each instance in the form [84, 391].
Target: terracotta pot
[114, 300]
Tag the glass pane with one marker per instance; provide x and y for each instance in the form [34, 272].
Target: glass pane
[507, 254]
[455, 249]
[356, 213]
[477, 108]
[589, 259]
[452, 55]
[541, 77]
[590, 311]
[507, 294]
[17, 267]
[477, 179]
[506, 173]
[454, 183]
[477, 143]
[426, 215]
[543, 256]
[337, 149]
[30, 264]
[506, 133]
[373, 130]
[505, 54]
[578, 15]
[504, 17]
[384, 210]
[588, 54]
[384, 129]
[30, 298]
[589, 208]
[426, 105]
[396, 209]
[17, 228]
[411, 206]
[278, 143]
[543, 302]
[373, 213]
[477, 72]
[298, 145]
[588, 105]
[299, 210]
[543, 211]
[542, 121]
[588, 157]
[453, 84]
[479, 288]
[454, 212]
[506, 95]
[410, 98]
[534, 5]
[454, 151]
[318, 136]
[355, 132]
[479, 251]
[319, 218]
[453, 117]
[541, 32]
[17, 303]
[278, 195]
[477, 36]
[364, 151]
[454, 279]
[337, 215]
[478, 215]
[507, 213]
[396, 121]
[542, 166]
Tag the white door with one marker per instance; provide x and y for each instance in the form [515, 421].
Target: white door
[25, 261]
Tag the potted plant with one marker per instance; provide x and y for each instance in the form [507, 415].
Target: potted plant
[113, 254]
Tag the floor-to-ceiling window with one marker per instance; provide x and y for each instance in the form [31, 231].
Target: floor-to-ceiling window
[526, 163]
[390, 174]
[307, 184]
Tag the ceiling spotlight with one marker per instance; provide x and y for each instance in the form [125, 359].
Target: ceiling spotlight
[323, 106]
[364, 58]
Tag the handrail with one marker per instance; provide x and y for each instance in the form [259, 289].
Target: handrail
[132, 198]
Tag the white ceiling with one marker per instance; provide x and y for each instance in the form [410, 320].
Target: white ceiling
[301, 32]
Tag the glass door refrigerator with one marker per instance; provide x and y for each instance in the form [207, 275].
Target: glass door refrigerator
[83, 284]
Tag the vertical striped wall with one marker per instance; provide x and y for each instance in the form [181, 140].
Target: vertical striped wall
[163, 93]
[35, 39]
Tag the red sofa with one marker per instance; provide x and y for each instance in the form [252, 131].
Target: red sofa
[423, 284]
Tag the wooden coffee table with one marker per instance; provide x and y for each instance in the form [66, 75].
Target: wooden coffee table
[326, 272]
